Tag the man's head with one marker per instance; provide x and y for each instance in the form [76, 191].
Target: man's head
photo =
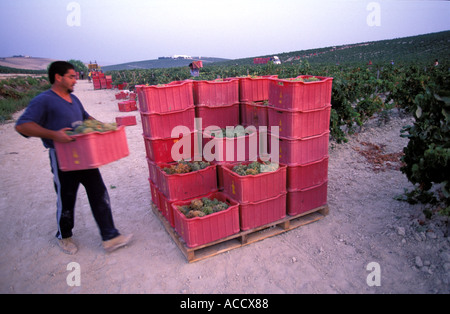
[63, 74]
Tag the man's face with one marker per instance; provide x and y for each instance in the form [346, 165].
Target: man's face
[69, 80]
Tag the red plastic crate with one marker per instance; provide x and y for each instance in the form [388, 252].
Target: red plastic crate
[220, 116]
[96, 83]
[253, 113]
[301, 201]
[166, 206]
[160, 149]
[153, 171]
[121, 95]
[256, 214]
[160, 125]
[288, 94]
[92, 150]
[187, 185]
[126, 121]
[127, 106]
[253, 188]
[254, 88]
[300, 124]
[301, 150]
[242, 148]
[219, 165]
[303, 176]
[219, 92]
[202, 230]
[175, 96]
[154, 192]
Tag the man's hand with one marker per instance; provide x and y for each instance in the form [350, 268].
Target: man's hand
[62, 137]
[35, 130]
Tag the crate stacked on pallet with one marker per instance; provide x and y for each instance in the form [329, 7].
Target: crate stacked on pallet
[261, 196]
[301, 108]
[217, 106]
[253, 98]
[200, 231]
[101, 81]
[217, 102]
[164, 108]
[175, 187]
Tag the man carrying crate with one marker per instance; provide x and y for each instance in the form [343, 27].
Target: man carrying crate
[48, 116]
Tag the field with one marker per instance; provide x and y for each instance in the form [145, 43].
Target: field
[366, 223]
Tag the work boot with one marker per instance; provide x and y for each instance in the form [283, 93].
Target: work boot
[68, 246]
[117, 242]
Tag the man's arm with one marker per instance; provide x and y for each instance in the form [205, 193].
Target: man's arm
[35, 130]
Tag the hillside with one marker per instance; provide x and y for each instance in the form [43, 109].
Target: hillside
[26, 63]
[421, 48]
[160, 63]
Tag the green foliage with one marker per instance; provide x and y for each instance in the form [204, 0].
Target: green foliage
[427, 156]
[16, 93]
[79, 65]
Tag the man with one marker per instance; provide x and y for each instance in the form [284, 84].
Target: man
[48, 116]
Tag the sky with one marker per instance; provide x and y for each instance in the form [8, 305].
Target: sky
[119, 31]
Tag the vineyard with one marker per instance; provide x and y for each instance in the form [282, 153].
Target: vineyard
[360, 92]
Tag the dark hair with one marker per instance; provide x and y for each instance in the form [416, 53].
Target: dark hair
[58, 67]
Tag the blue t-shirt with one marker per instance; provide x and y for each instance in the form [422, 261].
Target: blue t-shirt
[54, 113]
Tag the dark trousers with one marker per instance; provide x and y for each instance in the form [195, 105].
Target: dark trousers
[66, 187]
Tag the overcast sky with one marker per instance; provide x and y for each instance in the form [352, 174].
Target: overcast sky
[118, 31]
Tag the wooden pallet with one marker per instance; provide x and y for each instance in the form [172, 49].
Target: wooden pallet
[242, 238]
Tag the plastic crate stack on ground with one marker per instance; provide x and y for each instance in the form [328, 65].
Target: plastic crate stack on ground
[101, 81]
[296, 184]
[261, 196]
[163, 109]
[127, 103]
[254, 97]
[217, 102]
[217, 107]
[301, 108]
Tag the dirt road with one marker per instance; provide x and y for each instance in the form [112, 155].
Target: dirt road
[365, 225]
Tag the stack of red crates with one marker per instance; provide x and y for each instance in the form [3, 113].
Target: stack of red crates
[101, 81]
[217, 102]
[163, 109]
[127, 103]
[261, 197]
[254, 99]
[301, 109]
